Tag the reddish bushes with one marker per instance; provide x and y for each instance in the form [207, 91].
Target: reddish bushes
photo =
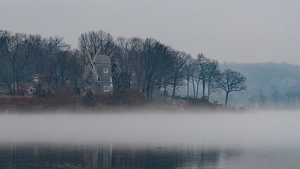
[16, 102]
[127, 97]
[68, 98]
[200, 103]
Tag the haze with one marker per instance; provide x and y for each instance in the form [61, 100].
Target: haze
[220, 130]
[228, 31]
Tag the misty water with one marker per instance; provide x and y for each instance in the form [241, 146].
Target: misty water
[252, 139]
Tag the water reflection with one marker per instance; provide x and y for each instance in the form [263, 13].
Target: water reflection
[72, 156]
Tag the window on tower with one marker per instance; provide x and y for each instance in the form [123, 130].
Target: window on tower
[105, 70]
[106, 88]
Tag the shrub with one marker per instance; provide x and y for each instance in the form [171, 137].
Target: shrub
[128, 97]
[89, 100]
[200, 103]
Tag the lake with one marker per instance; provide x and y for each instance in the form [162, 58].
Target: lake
[253, 139]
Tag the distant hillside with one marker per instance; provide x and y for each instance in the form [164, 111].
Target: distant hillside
[267, 77]
[263, 80]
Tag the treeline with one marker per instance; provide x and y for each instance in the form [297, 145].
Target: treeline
[276, 99]
[142, 64]
[24, 56]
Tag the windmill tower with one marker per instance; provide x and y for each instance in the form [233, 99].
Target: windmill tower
[100, 69]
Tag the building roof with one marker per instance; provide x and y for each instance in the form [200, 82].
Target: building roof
[102, 59]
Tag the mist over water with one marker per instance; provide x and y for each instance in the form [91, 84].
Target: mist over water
[261, 129]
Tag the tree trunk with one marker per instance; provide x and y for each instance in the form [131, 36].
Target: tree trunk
[165, 94]
[208, 89]
[151, 93]
[203, 90]
[187, 89]
[226, 99]
[148, 93]
[194, 88]
[197, 88]
[174, 88]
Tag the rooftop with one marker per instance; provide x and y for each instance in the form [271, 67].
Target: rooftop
[102, 59]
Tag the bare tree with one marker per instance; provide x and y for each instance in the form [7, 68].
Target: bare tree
[177, 74]
[62, 70]
[4, 35]
[93, 41]
[189, 69]
[232, 81]
[124, 59]
[213, 76]
[76, 69]
[138, 69]
[55, 62]
[17, 58]
[4, 42]
[151, 65]
[262, 99]
[200, 74]
[158, 61]
[275, 96]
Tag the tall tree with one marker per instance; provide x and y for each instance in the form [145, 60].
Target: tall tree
[201, 72]
[61, 70]
[189, 69]
[262, 98]
[232, 81]
[95, 40]
[4, 42]
[17, 58]
[124, 59]
[275, 96]
[151, 65]
[213, 76]
[158, 61]
[76, 69]
[177, 74]
[56, 61]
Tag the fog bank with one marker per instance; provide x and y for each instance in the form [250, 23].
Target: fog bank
[253, 130]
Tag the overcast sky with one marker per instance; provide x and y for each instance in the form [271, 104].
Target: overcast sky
[226, 30]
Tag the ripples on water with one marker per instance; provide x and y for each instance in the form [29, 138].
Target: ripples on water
[140, 140]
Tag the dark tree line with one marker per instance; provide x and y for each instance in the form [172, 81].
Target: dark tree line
[24, 56]
[146, 65]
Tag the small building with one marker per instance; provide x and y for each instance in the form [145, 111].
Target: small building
[103, 84]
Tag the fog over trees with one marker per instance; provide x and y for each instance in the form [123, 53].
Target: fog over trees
[269, 85]
[145, 65]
